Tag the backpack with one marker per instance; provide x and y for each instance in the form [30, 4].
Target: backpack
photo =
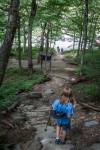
[56, 114]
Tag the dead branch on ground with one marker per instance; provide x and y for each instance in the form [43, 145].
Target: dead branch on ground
[89, 106]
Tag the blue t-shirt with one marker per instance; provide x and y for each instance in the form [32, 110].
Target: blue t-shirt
[66, 108]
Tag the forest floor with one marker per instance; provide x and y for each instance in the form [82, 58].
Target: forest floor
[62, 74]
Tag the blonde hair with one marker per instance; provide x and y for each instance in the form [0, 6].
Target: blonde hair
[67, 96]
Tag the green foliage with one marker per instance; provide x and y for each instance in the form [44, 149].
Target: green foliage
[91, 64]
[91, 70]
[89, 90]
[24, 55]
[2, 144]
[70, 53]
[92, 91]
[52, 50]
[14, 82]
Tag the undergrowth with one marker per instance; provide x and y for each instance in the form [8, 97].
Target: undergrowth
[24, 55]
[70, 53]
[91, 70]
[3, 145]
[15, 81]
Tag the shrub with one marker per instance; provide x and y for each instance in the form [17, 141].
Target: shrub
[14, 82]
[2, 144]
[24, 55]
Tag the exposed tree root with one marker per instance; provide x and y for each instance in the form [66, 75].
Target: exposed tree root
[13, 106]
[7, 123]
[53, 75]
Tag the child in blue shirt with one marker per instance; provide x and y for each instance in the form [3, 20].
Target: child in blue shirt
[65, 104]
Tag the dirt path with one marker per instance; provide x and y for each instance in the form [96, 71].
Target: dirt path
[85, 123]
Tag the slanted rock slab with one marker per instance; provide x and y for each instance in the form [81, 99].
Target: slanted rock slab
[91, 123]
[49, 144]
[42, 134]
[30, 145]
[95, 146]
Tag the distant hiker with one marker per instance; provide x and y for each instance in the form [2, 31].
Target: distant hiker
[62, 50]
[65, 104]
[58, 49]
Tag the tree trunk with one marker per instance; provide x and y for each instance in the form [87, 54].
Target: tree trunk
[74, 44]
[42, 36]
[32, 15]
[42, 41]
[15, 45]
[9, 36]
[90, 31]
[79, 44]
[19, 44]
[85, 30]
[85, 35]
[47, 45]
[24, 42]
[93, 33]
[30, 63]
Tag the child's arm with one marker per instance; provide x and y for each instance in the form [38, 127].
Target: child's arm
[74, 105]
[70, 110]
[69, 116]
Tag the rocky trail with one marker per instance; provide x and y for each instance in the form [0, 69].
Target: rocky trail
[34, 109]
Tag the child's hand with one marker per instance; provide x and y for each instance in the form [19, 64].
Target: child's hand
[74, 104]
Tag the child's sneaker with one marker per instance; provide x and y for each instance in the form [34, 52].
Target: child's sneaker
[63, 142]
[57, 141]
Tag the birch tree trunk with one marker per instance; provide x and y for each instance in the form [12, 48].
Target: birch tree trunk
[9, 36]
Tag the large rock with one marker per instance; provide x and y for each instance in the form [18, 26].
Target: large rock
[49, 144]
[91, 123]
[34, 95]
[49, 91]
[95, 146]
[31, 145]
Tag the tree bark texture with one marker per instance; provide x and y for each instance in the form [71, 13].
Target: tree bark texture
[42, 37]
[90, 31]
[9, 36]
[42, 41]
[79, 45]
[85, 30]
[94, 29]
[24, 46]
[47, 45]
[19, 44]
[32, 15]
